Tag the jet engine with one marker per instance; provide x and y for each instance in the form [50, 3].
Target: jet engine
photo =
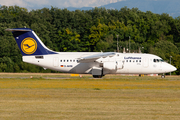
[113, 65]
[110, 65]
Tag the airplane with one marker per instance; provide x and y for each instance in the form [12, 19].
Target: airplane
[98, 64]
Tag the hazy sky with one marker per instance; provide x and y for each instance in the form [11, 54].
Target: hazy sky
[56, 3]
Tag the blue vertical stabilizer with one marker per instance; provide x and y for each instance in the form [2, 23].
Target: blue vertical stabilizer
[29, 43]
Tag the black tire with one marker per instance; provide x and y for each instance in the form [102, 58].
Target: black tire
[97, 76]
[162, 76]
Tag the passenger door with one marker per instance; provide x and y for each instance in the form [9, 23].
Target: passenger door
[56, 62]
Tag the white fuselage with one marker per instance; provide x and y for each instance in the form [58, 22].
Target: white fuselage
[121, 63]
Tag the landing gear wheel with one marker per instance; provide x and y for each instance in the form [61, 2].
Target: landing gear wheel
[97, 76]
[163, 76]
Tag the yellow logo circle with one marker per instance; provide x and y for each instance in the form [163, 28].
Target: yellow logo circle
[29, 45]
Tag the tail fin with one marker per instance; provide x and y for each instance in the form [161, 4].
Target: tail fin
[29, 43]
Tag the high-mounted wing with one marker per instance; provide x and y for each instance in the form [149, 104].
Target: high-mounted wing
[96, 56]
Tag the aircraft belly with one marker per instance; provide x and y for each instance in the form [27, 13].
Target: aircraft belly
[134, 69]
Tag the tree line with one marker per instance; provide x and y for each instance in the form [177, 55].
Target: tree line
[92, 30]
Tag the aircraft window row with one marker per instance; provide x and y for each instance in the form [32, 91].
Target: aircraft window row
[158, 60]
[68, 60]
[133, 60]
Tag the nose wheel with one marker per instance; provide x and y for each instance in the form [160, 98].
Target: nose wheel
[163, 76]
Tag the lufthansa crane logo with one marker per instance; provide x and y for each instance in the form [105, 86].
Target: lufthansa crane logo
[29, 46]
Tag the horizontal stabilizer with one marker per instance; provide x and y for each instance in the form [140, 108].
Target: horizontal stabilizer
[14, 30]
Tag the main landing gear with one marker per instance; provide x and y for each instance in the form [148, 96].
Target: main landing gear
[97, 76]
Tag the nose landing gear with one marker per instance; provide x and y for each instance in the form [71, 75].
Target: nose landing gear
[163, 76]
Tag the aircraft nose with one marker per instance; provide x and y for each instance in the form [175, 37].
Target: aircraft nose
[169, 68]
[173, 68]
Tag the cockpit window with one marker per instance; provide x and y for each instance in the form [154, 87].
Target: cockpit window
[158, 60]
[162, 60]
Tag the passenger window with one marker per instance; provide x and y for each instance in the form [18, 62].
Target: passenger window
[60, 60]
[70, 60]
[129, 60]
[139, 60]
[154, 60]
[64, 60]
[136, 60]
[126, 60]
[73, 60]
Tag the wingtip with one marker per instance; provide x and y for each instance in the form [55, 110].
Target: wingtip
[8, 29]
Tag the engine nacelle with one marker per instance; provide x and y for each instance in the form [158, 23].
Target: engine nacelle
[96, 71]
[113, 65]
[120, 65]
[110, 65]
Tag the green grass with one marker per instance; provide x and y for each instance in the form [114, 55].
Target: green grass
[74, 98]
